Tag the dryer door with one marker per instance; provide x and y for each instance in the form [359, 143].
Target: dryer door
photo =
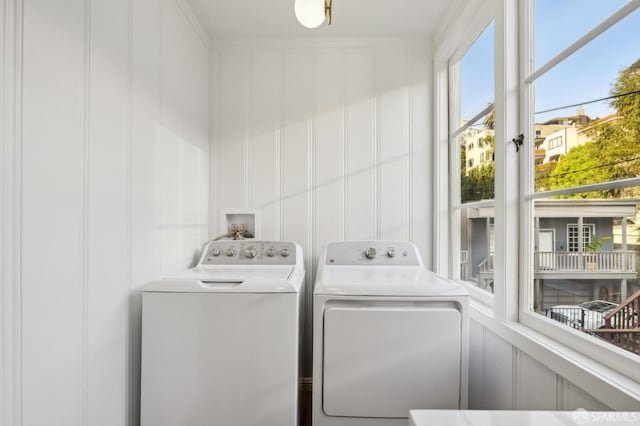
[382, 361]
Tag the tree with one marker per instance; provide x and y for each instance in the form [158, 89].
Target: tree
[614, 152]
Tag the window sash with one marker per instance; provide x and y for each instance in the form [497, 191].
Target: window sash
[617, 359]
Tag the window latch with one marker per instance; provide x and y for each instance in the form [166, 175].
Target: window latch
[518, 141]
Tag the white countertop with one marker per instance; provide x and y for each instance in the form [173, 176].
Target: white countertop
[521, 418]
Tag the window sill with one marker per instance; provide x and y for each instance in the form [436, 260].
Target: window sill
[477, 294]
[610, 387]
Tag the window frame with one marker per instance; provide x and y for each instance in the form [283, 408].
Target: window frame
[454, 204]
[602, 352]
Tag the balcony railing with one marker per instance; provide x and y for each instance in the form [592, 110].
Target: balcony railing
[621, 264]
[600, 261]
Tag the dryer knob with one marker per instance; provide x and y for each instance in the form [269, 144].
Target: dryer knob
[250, 252]
[230, 252]
[271, 252]
[215, 252]
[284, 252]
[370, 253]
[391, 252]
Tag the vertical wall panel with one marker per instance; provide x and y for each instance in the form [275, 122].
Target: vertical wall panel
[182, 142]
[360, 145]
[574, 398]
[498, 377]
[10, 171]
[328, 152]
[145, 103]
[53, 212]
[536, 385]
[107, 209]
[477, 354]
[264, 140]
[297, 106]
[421, 177]
[232, 132]
[393, 160]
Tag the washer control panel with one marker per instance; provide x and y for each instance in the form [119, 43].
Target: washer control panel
[387, 253]
[249, 252]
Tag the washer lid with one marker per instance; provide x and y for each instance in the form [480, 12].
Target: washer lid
[380, 281]
[232, 280]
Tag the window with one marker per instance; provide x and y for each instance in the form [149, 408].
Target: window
[472, 120]
[594, 180]
[573, 242]
[555, 142]
[559, 217]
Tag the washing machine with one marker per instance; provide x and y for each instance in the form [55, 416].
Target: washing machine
[220, 342]
[388, 336]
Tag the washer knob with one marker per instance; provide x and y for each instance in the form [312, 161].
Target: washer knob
[230, 252]
[271, 252]
[391, 252]
[250, 252]
[215, 252]
[370, 253]
[284, 252]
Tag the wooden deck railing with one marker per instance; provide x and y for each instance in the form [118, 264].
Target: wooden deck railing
[625, 316]
[622, 325]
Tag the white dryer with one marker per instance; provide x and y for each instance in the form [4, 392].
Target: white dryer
[220, 342]
[388, 336]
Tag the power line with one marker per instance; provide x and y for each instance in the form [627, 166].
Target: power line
[590, 168]
[635, 92]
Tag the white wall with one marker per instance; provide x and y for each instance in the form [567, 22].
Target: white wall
[326, 140]
[502, 377]
[105, 186]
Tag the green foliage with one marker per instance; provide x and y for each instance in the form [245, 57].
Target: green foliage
[479, 183]
[614, 152]
[628, 106]
[596, 243]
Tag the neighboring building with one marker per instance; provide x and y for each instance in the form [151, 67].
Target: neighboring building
[565, 271]
[478, 151]
[558, 143]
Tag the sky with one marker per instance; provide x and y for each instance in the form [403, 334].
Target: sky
[586, 75]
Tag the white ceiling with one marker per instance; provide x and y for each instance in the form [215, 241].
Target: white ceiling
[351, 18]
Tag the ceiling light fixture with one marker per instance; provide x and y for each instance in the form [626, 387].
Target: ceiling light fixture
[312, 13]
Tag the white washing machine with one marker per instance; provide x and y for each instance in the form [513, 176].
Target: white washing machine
[220, 342]
[388, 336]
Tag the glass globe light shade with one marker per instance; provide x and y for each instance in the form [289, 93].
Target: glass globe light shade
[310, 13]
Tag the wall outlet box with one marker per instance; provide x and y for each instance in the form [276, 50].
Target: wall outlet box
[238, 218]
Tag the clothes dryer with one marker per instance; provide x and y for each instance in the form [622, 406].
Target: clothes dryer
[220, 342]
[389, 336]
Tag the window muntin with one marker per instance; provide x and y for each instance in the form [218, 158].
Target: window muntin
[603, 263]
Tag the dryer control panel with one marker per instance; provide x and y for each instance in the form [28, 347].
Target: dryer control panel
[383, 253]
[249, 252]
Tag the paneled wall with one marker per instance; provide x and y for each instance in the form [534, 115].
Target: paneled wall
[105, 156]
[503, 377]
[325, 140]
